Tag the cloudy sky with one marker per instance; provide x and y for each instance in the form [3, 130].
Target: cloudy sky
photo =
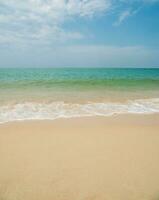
[79, 33]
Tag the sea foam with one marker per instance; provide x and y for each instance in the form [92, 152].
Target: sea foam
[55, 110]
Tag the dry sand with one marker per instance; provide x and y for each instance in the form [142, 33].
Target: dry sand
[109, 158]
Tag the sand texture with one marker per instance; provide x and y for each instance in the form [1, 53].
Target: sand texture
[109, 158]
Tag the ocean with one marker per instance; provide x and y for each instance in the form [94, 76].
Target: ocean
[51, 93]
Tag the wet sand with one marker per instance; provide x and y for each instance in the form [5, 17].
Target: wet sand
[107, 158]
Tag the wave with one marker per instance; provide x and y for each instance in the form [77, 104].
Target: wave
[55, 110]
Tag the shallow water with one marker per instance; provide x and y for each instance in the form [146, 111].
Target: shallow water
[54, 93]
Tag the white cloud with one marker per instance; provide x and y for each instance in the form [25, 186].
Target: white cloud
[123, 15]
[43, 19]
[131, 7]
[87, 7]
[31, 21]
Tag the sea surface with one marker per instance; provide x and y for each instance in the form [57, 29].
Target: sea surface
[36, 94]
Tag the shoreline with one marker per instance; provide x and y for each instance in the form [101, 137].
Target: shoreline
[88, 158]
[28, 111]
[129, 116]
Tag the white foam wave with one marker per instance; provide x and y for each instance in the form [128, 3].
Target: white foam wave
[55, 110]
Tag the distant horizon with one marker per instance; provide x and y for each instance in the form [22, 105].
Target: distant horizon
[79, 67]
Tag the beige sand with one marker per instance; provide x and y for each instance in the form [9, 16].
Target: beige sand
[111, 158]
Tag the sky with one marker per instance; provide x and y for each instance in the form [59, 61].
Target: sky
[79, 33]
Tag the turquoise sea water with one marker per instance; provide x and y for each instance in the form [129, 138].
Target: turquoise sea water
[53, 93]
[80, 78]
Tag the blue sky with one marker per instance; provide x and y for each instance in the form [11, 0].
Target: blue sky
[79, 33]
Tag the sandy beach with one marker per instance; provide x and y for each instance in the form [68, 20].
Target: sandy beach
[79, 99]
[107, 158]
